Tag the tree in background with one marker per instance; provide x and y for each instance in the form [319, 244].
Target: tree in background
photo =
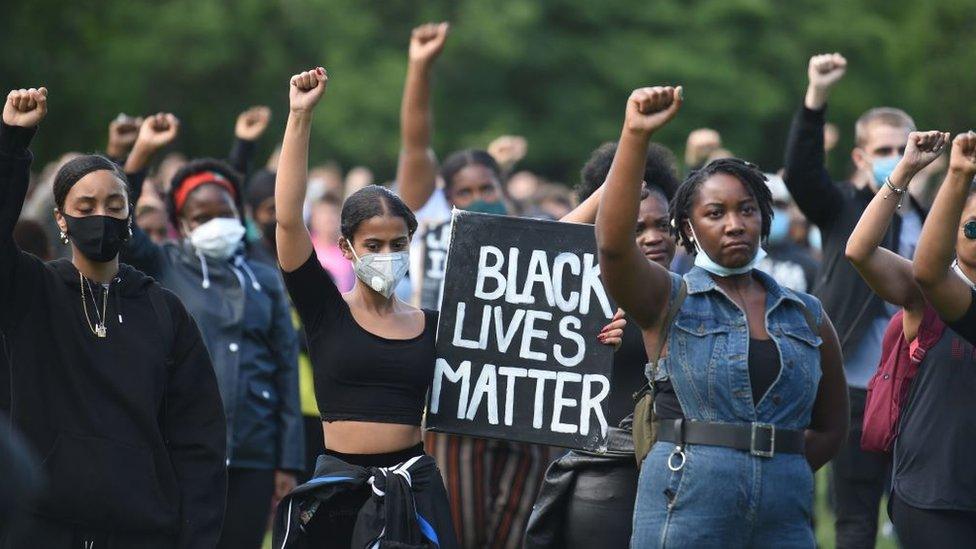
[554, 71]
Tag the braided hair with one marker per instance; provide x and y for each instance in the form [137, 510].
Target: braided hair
[747, 173]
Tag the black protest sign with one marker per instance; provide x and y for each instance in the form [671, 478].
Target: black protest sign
[517, 350]
[436, 240]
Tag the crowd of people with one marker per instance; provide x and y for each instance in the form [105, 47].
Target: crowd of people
[194, 345]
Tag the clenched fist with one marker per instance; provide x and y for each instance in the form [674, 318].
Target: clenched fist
[823, 72]
[306, 89]
[649, 109]
[122, 133]
[157, 131]
[25, 107]
[923, 148]
[427, 42]
[962, 159]
[252, 123]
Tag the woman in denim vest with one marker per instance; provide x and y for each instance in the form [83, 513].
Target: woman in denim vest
[750, 395]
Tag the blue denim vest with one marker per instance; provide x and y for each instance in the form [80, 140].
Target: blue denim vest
[708, 351]
[722, 497]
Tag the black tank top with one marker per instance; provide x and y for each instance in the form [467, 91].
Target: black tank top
[764, 366]
[358, 375]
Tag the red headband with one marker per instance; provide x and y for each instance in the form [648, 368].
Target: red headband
[196, 180]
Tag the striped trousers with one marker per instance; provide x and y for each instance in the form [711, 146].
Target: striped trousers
[492, 485]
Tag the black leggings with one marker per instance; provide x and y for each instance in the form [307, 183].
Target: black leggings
[932, 527]
[249, 493]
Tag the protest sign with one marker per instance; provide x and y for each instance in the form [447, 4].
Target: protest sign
[517, 350]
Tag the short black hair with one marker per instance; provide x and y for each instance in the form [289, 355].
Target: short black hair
[196, 166]
[260, 187]
[79, 167]
[660, 172]
[373, 201]
[459, 160]
[746, 172]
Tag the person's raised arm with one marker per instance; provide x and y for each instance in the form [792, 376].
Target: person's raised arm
[947, 292]
[156, 132]
[292, 238]
[417, 170]
[122, 133]
[830, 418]
[638, 286]
[22, 112]
[805, 174]
[249, 127]
[887, 273]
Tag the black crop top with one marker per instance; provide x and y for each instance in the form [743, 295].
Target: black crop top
[359, 376]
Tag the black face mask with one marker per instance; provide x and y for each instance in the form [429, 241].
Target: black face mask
[98, 237]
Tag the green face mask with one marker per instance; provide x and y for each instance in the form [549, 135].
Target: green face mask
[481, 206]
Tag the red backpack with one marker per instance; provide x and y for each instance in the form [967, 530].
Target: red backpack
[888, 388]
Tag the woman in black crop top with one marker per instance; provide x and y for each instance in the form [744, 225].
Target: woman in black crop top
[372, 358]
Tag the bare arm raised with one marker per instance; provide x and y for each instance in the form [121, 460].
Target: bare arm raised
[948, 293]
[417, 171]
[638, 286]
[294, 242]
[888, 274]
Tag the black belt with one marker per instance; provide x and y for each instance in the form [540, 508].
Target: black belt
[759, 439]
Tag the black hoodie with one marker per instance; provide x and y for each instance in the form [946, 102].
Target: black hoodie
[131, 426]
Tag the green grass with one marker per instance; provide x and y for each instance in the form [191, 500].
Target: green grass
[825, 520]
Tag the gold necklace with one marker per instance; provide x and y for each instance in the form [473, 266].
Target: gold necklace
[99, 328]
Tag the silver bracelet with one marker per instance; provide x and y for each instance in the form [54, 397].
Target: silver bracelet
[894, 189]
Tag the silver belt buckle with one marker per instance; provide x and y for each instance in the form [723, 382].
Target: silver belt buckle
[756, 427]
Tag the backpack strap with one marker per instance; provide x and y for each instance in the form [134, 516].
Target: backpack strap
[929, 333]
[672, 312]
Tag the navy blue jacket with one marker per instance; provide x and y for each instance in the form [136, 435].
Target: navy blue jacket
[243, 312]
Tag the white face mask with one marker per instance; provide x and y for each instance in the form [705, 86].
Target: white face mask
[218, 238]
[962, 275]
[381, 272]
[705, 262]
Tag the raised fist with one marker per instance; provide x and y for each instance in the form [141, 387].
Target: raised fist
[306, 89]
[25, 108]
[122, 133]
[252, 123]
[825, 70]
[648, 109]
[427, 41]
[923, 148]
[507, 150]
[158, 130]
[962, 159]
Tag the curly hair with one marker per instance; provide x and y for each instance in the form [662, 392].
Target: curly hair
[196, 166]
[660, 173]
[750, 176]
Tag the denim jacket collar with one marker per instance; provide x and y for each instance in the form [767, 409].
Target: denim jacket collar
[700, 281]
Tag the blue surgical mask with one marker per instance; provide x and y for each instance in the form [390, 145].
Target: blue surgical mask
[814, 238]
[779, 227]
[882, 168]
[703, 261]
[481, 206]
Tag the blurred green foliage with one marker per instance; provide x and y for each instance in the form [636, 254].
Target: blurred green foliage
[556, 71]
